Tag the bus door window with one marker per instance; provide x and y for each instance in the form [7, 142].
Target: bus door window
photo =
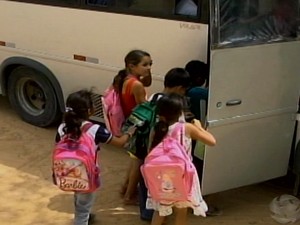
[257, 21]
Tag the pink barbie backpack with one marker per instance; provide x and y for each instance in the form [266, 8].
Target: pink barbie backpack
[75, 166]
[168, 170]
[113, 112]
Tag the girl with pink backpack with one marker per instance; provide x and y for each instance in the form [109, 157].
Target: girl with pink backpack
[131, 83]
[169, 109]
[79, 107]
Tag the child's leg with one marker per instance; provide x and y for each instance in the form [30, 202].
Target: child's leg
[145, 214]
[180, 216]
[134, 177]
[83, 205]
[157, 219]
[125, 184]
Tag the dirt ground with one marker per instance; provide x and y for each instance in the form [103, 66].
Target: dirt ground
[28, 196]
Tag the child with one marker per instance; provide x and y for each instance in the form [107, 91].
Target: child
[79, 107]
[169, 110]
[131, 83]
[199, 72]
[177, 80]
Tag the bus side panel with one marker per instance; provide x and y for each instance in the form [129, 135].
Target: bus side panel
[58, 33]
[263, 77]
[248, 152]
[253, 99]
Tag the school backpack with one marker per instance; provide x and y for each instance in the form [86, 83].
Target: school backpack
[75, 166]
[112, 111]
[168, 170]
[143, 117]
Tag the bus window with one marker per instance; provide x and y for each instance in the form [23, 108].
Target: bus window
[193, 10]
[100, 2]
[158, 6]
[257, 21]
[67, 3]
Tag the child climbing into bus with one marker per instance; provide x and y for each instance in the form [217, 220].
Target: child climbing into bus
[131, 82]
[79, 107]
[198, 92]
[198, 98]
[199, 73]
[169, 109]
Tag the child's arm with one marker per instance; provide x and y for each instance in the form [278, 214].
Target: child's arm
[197, 132]
[138, 90]
[120, 141]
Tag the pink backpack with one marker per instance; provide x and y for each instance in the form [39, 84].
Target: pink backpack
[168, 170]
[75, 166]
[113, 112]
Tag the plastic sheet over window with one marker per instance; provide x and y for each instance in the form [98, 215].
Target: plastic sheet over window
[242, 22]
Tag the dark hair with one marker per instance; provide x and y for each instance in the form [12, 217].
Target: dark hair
[177, 77]
[78, 106]
[116, 82]
[134, 57]
[170, 107]
[198, 72]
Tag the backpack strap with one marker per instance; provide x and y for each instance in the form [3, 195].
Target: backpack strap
[155, 97]
[178, 129]
[84, 129]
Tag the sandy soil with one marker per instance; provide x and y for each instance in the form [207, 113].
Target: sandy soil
[28, 196]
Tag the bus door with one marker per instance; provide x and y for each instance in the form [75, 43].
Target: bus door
[253, 98]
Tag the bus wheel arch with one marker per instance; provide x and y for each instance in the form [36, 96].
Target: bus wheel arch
[33, 91]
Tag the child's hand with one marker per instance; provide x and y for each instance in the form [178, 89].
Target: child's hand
[197, 123]
[146, 80]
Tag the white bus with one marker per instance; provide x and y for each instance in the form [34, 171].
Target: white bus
[49, 48]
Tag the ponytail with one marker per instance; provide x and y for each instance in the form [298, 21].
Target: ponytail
[72, 124]
[79, 105]
[169, 108]
[120, 79]
[161, 129]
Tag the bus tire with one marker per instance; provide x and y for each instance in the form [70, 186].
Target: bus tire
[32, 96]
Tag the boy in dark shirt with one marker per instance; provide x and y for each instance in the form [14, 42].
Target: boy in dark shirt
[199, 73]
